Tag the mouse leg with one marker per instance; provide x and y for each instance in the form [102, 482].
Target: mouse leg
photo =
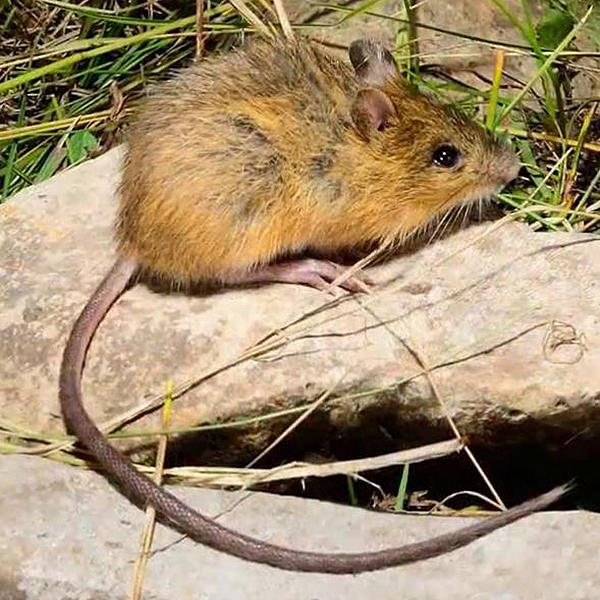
[308, 271]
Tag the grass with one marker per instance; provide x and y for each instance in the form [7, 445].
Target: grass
[541, 115]
[70, 75]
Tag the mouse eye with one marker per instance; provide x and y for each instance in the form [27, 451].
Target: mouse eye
[446, 156]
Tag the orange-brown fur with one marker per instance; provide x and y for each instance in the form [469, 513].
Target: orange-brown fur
[266, 152]
[251, 156]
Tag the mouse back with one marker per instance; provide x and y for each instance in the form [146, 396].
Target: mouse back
[228, 150]
[280, 147]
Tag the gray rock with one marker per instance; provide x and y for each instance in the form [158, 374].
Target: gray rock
[67, 534]
[478, 307]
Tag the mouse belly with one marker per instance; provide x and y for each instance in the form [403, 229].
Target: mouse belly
[188, 243]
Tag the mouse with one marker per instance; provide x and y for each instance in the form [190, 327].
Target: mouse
[241, 163]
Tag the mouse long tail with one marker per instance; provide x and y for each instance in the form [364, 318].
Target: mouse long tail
[142, 490]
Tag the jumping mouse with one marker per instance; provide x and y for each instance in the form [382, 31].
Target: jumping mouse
[244, 160]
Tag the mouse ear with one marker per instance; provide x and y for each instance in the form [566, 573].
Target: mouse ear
[371, 111]
[372, 62]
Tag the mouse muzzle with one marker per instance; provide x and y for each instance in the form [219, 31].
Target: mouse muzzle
[503, 166]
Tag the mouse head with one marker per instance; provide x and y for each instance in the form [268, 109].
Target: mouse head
[446, 156]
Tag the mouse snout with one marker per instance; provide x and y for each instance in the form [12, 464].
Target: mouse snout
[512, 168]
[503, 167]
[509, 173]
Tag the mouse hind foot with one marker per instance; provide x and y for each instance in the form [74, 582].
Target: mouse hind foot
[315, 273]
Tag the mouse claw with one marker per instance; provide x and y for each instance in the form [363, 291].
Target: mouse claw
[326, 272]
[365, 288]
[315, 273]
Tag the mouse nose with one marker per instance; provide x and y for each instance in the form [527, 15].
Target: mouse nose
[505, 163]
[502, 170]
[512, 169]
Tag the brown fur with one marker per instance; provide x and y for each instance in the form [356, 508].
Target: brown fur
[251, 156]
[269, 151]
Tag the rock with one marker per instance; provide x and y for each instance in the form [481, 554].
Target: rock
[67, 534]
[508, 319]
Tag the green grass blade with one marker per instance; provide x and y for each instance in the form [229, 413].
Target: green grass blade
[546, 65]
[401, 496]
[79, 56]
